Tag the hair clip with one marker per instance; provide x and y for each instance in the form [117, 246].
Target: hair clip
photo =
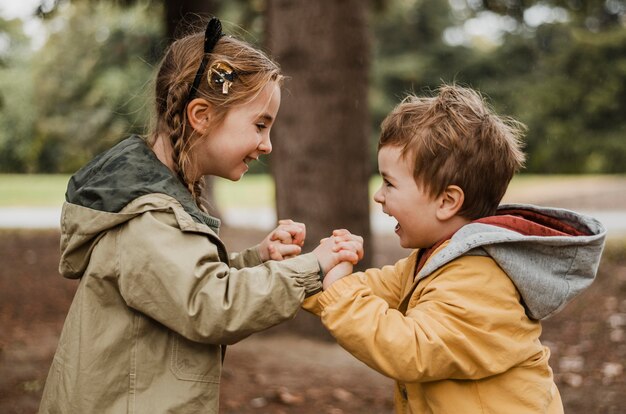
[212, 34]
[221, 73]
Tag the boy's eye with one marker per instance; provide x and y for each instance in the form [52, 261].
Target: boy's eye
[261, 126]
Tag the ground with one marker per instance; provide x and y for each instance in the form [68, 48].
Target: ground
[296, 368]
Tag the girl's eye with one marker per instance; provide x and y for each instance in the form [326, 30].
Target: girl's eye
[387, 183]
[260, 127]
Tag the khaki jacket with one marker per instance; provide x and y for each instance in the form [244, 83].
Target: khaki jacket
[158, 300]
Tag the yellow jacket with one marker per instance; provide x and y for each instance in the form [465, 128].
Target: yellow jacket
[457, 341]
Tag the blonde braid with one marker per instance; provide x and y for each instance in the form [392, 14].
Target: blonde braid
[175, 117]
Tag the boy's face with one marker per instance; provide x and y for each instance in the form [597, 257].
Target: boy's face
[402, 198]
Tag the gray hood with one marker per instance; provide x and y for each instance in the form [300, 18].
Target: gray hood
[547, 270]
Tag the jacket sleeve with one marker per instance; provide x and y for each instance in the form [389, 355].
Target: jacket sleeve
[466, 323]
[385, 283]
[247, 258]
[175, 278]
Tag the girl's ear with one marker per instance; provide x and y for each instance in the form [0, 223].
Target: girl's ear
[198, 114]
[450, 202]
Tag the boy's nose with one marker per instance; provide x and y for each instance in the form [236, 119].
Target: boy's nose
[378, 196]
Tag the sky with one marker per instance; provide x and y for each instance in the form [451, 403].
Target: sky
[25, 9]
[10, 9]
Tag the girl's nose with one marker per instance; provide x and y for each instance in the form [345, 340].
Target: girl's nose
[265, 147]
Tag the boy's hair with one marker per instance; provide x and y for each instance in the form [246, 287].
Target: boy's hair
[456, 139]
[253, 70]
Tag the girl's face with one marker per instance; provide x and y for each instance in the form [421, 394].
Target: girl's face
[241, 138]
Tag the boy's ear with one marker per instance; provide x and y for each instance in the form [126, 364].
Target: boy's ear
[450, 202]
[198, 114]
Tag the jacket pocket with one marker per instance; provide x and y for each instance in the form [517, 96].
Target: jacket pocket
[194, 361]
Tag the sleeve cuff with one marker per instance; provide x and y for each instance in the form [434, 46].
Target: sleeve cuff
[340, 288]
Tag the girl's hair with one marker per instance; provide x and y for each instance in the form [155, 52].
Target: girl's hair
[455, 138]
[253, 70]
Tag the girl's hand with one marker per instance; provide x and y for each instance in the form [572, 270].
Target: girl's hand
[283, 242]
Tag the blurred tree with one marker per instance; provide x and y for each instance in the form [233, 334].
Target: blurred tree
[573, 104]
[45, 153]
[593, 15]
[82, 78]
[191, 12]
[563, 78]
[17, 115]
[411, 56]
[320, 160]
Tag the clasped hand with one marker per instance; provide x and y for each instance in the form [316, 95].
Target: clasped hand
[283, 242]
[336, 254]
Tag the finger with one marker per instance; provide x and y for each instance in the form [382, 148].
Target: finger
[297, 231]
[354, 247]
[286, 250]
[282, 235]
[329, 240]
[274, 253]
[348, 256]
[301, 235]
[346, 235]
[349, 245]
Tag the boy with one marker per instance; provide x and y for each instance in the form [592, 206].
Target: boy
[456, 324]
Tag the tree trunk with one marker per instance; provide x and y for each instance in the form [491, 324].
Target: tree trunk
[191, 12]
[321, 157]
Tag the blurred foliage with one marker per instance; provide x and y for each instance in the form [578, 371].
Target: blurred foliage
[565, 79]
[89, 85]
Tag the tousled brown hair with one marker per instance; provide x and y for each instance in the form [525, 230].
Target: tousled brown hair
[455, 138]
[176, 74]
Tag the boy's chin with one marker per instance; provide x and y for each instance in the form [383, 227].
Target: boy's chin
[406, 243]
[409, 244]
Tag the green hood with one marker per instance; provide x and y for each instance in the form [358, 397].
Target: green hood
[100, 196]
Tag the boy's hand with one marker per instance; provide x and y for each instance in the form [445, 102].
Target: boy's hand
[342, 246]
[283, 242]
[336, 273]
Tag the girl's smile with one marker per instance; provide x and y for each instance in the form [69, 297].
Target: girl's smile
[241, 138]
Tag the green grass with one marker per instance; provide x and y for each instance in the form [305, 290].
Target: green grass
[253, 190]
[36, 190]
[43, 190]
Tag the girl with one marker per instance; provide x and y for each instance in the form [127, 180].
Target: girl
[159, 296]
